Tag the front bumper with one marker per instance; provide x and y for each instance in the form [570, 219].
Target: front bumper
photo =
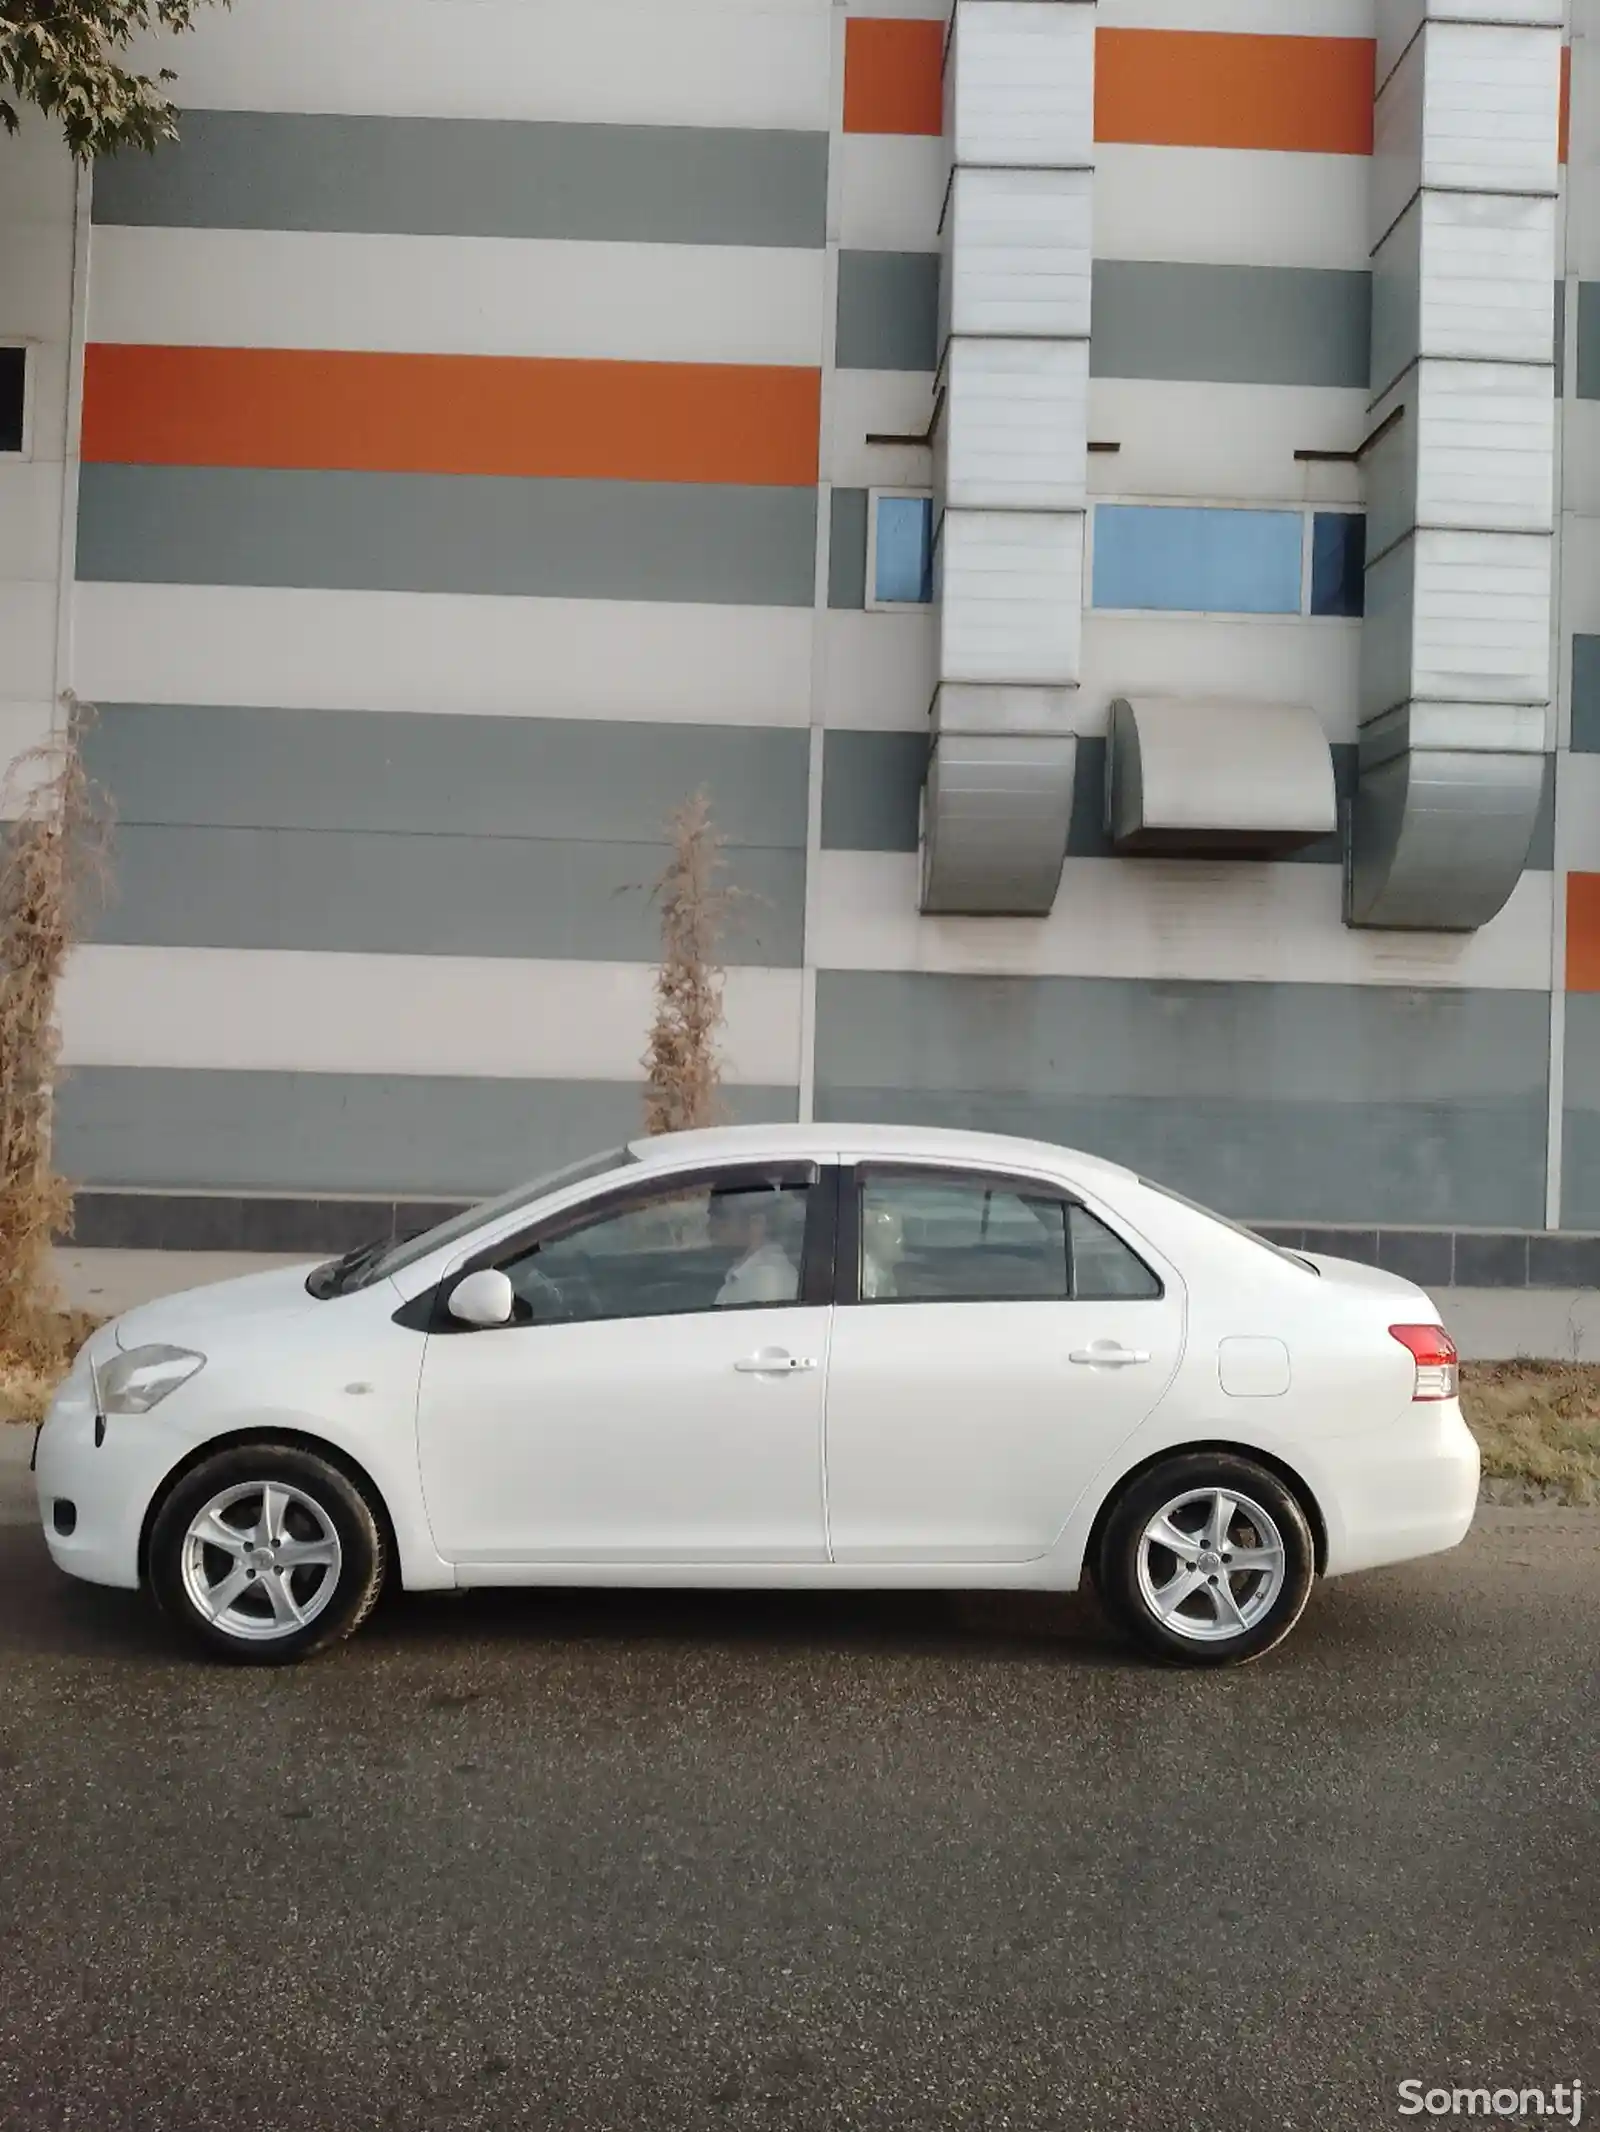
[110, 1484]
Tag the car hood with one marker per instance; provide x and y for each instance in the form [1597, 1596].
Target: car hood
[1372, 1280]
[185, 1318]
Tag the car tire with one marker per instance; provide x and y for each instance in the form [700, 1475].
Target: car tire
[1236, 1575]
[265, 1554]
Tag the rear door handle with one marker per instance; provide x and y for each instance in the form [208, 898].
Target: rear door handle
[1109, 1356]
[775, 1362]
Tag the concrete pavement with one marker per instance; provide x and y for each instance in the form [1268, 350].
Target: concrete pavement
[673, 1861]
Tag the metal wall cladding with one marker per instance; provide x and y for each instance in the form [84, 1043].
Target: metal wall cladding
[1465, 277]
[1018, 254]
[1474, 447]
[997, 812]
[1459, 617]
[1020, 84]
[1440, 838]
[1466, 112]
[1011, 585]
[1400, 20]
[1014, 425]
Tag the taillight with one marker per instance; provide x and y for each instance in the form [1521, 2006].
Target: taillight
[1434, 1352]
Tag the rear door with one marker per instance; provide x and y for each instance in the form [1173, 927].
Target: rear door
[995, 1339]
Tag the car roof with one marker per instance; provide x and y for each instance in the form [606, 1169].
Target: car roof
[932, 1143]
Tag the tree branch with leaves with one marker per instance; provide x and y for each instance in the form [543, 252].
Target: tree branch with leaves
[62, 58]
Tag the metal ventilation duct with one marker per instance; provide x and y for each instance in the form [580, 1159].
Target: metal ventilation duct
[1455, 681]
[1203, 779]
[1011, 453]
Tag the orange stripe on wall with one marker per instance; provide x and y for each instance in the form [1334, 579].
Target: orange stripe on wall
[446, 414]
[893, 76]
[1210, 89]
[1583, 932]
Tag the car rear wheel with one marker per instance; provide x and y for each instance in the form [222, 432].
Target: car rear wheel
[1206, 1560]
[265, 1554]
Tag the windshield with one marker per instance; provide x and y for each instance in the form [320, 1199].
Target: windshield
[376, 1261]
[1223, 1221]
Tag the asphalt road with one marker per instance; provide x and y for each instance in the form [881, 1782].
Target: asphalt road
[797, 1861]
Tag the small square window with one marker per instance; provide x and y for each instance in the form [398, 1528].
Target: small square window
[900, 550]
[1338, 563]
[13, 399]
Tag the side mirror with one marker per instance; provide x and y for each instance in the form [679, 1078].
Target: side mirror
[483, 1298]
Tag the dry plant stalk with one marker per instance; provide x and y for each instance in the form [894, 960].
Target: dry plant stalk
[683, 1065]
[54, 860]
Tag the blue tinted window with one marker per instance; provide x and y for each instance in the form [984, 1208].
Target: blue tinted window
[905, 549]
[1338, 563]
[1197, 561]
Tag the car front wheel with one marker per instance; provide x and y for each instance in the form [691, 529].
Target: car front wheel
[1206, 1560]
[265, 1554]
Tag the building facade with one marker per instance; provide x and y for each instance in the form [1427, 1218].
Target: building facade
[1105, 499]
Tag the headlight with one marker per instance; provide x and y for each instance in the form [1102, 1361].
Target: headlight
[139, 1380]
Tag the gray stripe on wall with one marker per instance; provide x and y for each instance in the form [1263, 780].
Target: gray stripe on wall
[360, 892]
[358, 532]
[888, 311]
[220, 766]
[1587, 383]
[161, 1128]
[847, 549]
[1299, 1102]
[451, 177]
[1580, 1140]
[1231, 325]
[1225, 325]
[872, 786]
[1586, 695]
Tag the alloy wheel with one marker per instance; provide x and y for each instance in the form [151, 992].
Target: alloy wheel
[261, 1560]
[1211, 1564]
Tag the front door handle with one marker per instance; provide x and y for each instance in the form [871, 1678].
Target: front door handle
[1109, 1356]
[775, 1362]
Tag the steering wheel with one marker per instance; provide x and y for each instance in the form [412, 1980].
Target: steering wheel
[539, 1296]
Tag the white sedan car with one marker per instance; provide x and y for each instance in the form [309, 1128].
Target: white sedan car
[807, 1356]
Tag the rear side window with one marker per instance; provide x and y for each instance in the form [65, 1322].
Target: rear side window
[928, 1239]
[1104, 1269]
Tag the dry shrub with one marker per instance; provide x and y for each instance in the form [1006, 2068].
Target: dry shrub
[683, 1065]
[53, 865]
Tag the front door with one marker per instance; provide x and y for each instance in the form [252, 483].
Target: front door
[658, 1397]
[1004, 1342]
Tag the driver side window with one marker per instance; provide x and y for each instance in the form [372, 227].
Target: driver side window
[706, 1246]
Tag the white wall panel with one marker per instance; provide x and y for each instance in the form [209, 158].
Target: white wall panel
[880, 669]
[1232, 442]
[1231, 206]
[891, 190]
[878, 403]
[30, 519]
[1012, 587]
[283, 1011]
[1021, 242]
[457, 295]
[1020, 85]
[1485, 440]
[1170, 921]
[28, 640]
[623, 62]
[23, 726]
[1014, 426]
[437, 652]
[1264, 657]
